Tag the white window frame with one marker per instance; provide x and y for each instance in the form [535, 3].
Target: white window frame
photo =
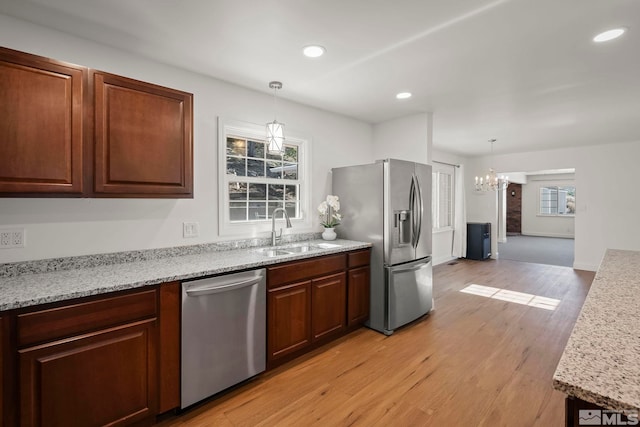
[557, 215]
[436, 199]
[254, 228]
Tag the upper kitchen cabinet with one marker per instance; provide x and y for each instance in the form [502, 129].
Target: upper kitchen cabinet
[68, 131]
[143, 139]
[42, 120]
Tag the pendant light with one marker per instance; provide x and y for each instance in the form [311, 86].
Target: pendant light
[491, 182]
[275, 130]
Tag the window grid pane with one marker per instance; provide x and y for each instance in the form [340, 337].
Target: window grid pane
[259, 180]
[442, 207]
[557, 200]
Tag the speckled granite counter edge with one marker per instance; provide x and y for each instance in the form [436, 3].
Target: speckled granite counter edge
[145, 277]
[609, 272]
[88, 261]
[588, 396]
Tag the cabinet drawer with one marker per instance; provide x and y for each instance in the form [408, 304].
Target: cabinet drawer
[304, 270]
[359, 258]
[68, 320]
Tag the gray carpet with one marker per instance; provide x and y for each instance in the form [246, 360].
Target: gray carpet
[540, 250]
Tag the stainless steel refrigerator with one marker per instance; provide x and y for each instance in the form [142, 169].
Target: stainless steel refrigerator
[388, 203]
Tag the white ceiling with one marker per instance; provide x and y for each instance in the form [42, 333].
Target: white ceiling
[523, 71]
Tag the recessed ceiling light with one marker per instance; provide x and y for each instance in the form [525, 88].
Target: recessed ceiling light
[403, 95]
[609, 35]
[313, 51]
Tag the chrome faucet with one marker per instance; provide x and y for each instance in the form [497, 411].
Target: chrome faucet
[274, 238]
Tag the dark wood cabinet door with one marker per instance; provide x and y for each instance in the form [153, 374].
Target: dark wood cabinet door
[289, 319]
[358, 295]
[107, 377]
[143, 139]
[328, 305]
[41, 125]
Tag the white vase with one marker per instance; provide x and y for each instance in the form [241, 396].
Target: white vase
[329, 233]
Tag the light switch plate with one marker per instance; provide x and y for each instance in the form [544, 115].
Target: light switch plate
[190, 229]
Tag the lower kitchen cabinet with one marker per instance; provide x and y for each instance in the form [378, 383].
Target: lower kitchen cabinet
[314, 301]
[328, 314]
[111, 359]
[358, 296]
[106, 377]
[289, 308]
[358, 283]
[169, 346]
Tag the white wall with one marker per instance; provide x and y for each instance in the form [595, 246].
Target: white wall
[534, 224]
[607, 208]
[66, 227]
[407, 138]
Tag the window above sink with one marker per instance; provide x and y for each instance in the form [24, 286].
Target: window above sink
[253, 183]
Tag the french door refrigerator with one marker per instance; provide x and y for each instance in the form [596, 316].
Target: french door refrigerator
[388, 203]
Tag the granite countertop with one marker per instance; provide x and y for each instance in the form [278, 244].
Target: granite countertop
[32, 288]
[601, 362]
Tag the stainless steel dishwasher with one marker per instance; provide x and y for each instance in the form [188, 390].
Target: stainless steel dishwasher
[223, 333]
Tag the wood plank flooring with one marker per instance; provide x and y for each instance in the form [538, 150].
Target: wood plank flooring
[474, 361]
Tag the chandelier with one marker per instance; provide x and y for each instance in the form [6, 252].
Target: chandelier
[275, 130]
[491, 181]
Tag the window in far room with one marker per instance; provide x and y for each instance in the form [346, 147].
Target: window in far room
[442, 196]
[254, 182]
[557, 201]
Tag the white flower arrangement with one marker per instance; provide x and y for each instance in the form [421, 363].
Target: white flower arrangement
[329, 212]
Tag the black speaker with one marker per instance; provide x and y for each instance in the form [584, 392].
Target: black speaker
[478, 240]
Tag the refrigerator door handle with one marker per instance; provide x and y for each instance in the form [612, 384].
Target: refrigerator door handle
[421, 210]
[416, 210]
[412, 209]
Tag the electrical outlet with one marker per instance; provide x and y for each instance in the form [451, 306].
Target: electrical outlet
[11, 238]
[17, 239]
[190, 229]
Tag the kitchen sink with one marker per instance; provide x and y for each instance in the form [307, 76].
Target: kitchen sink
[294, 249]
[273, 252]
[304, 248]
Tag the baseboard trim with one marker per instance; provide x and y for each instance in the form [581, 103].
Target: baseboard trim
[534, 234]
[442, 260]
[584, 266]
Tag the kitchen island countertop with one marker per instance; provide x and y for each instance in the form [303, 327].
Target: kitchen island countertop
[601, 362]
[25, 290]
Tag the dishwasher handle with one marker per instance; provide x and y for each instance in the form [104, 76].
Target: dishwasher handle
[215, 289]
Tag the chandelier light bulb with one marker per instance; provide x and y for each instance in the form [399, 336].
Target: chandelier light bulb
[491, 182]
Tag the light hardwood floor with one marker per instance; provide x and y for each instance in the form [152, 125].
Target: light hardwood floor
[473, 361]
